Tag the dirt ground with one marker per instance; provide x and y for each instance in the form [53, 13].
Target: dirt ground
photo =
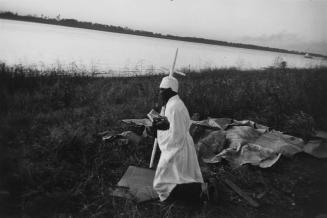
[293, 187]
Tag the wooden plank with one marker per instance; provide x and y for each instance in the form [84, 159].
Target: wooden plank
[136, 183]
[239, 191]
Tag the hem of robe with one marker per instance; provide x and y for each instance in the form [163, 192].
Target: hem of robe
[173, 186]
[163, 198]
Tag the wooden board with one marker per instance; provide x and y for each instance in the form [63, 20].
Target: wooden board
[137, 184]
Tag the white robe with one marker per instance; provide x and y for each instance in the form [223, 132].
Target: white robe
[178, 162]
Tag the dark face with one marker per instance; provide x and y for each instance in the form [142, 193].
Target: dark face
[164, 94]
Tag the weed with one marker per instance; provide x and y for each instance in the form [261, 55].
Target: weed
[52, 161]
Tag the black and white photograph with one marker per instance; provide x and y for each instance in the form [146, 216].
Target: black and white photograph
[163, 108]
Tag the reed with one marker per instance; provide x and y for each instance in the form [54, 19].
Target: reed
[52, 161]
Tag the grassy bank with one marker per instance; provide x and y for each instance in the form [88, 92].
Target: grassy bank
[54, 163]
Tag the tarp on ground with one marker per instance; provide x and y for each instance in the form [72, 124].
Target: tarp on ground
[247, 142]
[139, 122]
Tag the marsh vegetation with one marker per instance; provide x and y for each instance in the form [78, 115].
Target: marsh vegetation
[53, 162]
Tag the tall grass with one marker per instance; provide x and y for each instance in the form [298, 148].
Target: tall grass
[53, 162]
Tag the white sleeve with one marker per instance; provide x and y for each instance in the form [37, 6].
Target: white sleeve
[177, 129]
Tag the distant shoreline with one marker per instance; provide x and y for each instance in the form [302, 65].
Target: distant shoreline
[124, 30]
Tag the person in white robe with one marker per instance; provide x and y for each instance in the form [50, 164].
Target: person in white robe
[178, 173]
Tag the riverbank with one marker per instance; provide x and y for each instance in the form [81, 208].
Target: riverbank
[54, 162]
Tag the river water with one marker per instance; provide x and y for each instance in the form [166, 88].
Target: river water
[47, 46]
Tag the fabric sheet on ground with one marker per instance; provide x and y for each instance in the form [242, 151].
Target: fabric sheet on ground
[242, 142]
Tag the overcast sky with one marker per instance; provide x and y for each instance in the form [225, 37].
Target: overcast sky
[291, 24]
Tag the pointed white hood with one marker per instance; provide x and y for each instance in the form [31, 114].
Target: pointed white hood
[169, 82]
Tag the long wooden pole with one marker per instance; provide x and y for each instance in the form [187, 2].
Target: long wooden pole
[154, 150]
[171, 73]
[155, 144]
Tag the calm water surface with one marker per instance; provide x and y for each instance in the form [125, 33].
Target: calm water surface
[45, 46]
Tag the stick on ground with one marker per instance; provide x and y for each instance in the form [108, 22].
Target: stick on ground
[235, 188]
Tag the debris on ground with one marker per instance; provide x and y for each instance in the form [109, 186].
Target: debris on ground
[248, 164]
[246, 142]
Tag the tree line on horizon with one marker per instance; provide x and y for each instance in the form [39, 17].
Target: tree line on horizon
[126, 30]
